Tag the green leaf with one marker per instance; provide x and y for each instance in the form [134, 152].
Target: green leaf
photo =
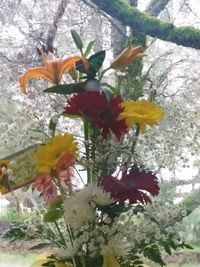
[187, 246]
[97, 60]
[167, 248]
[115, 90]
[66, 89]
[131, 261]
[52, 126]
[152, 252]
[77, 40]
[88, 48]
[49, 264]
[95, 63]
[53, 215]
[57, 204]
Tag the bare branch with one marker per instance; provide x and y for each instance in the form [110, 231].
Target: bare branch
[156, 6]
[53, 28]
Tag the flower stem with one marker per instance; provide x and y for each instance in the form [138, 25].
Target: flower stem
[102, 74]
[60, 233]
[137, 132]
[86, 133]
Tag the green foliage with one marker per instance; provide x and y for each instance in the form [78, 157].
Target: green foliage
[16, 233]
[132, 261]
[143, 23]
[191, 227]
[54, 212]
[11, 215]
[170, 244]
[192, 201]
[185, 35]
[153, 252]
[77, 40]
[66, 89]
[95, 63]
[89, 48]
[52, 215]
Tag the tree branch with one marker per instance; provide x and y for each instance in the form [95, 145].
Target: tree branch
[53, 28]
[186, 36]
[156, 6]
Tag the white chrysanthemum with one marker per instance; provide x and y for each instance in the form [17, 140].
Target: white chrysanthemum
[117, 245]
[77, 212]
[95, 193]
[68, 252]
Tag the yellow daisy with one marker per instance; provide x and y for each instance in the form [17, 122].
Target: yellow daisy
[109, 260]
[49, 154]
[43, 259]
[142, 112]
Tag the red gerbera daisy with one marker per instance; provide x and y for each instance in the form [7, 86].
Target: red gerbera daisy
[132, 186]
[101, 112]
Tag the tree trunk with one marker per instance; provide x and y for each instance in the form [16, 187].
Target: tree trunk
[53, 28]
[186, 36]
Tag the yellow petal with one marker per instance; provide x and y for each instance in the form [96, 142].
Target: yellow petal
[109, 260]
[33, 73]
[38, 263]
[63, 264]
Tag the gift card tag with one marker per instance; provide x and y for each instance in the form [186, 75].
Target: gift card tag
[18, 169]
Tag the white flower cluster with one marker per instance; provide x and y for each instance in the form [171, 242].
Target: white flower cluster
[93, 227]
[80, 208]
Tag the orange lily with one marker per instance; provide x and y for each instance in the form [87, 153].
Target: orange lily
[127, 56]
[52, 70]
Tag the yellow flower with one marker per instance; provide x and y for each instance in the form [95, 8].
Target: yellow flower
[3, 164]
[109, 260]
[142, 112]
[43, 258]
[48, 155]
[66, 264]
[127, 56]
[52, 70]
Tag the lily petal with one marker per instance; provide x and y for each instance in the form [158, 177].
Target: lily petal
[127, 56]
[33, 73]
[69, 62]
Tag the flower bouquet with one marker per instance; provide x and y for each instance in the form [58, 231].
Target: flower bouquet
[104, 219]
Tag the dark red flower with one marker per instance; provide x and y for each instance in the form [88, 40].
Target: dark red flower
[132, 187]
[101, 112]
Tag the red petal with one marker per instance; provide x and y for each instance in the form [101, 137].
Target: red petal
[132, 186]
